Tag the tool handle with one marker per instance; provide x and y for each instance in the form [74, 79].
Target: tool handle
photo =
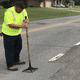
[28, 44]
[25, 17]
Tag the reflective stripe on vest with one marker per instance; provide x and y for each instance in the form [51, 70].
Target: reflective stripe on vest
[23, 13]
[13, 17]
[12, 14]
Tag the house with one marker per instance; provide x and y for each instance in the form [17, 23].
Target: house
[43, 3]
[33, 3]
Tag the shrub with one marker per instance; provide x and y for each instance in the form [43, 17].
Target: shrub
[66, 5]
[6, 4]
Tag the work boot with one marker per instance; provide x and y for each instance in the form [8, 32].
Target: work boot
[13, 68]
[20, 62]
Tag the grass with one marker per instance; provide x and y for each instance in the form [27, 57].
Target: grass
[2, 10]
[42, 13]
[48, 13]
[76, 8]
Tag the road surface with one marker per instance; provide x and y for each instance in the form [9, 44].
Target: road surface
[48, 39]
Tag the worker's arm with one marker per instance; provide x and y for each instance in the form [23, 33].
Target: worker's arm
[18, 26]
[9, 20]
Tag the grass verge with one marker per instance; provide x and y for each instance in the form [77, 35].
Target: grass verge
[42, 13]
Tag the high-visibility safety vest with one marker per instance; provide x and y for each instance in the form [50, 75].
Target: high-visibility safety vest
[12, 17]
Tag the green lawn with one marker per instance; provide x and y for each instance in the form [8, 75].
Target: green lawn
[42, 13]
[76, 8]
[2, 10]
[48, 13]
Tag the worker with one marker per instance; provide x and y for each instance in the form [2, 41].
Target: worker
[14, 17]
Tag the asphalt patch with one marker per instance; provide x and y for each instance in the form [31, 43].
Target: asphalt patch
[71, 71]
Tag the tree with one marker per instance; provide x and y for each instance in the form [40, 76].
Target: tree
[26, 3]
[10, 3]
[67, 1]
[77, 2]
[44, 2]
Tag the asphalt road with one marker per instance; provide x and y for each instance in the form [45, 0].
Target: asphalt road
[48, 38]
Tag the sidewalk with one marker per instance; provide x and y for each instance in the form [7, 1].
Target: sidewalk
[65, 9]
[74, 10]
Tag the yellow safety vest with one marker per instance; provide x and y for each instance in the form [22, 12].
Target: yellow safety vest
[12, 17]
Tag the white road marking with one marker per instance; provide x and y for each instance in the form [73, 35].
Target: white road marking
[60, 55]
[56, 57]
[77, 44]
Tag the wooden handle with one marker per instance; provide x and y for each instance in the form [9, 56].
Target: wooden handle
[28, 43]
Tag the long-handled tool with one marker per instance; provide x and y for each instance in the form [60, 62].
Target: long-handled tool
[1, 34]
[30, 69]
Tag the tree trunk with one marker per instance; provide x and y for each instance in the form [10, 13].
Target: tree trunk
[44, 3]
